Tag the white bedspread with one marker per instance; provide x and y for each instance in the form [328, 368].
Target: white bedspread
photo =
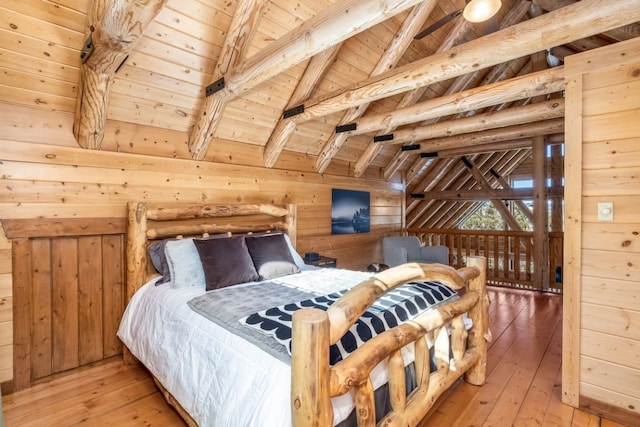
[219, 378]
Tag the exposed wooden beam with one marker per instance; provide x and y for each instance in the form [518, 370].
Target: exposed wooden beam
[492, 135]
[499, 204]
[516, 14]
[505, 186]
[513, 144]
[579, 20]
[307, 85]
[543, 82]
[506, 70]
[457, 179]
[459, 84]
[331, 26]
[434, 173]
[504, 164]
[546, 110]
[116, 27]
[240, 34]
[491, 193]
[388, 60]
[373, 149]
[622, 33]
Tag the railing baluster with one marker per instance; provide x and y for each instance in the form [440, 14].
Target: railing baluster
[501, 248]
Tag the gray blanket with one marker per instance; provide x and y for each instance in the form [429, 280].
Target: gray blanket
[228, 305]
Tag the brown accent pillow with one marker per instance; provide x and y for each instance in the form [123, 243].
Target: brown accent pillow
[271, 256]
[226, 262]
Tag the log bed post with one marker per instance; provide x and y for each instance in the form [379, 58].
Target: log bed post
[479, 335]
[310, 399]
[136, 256]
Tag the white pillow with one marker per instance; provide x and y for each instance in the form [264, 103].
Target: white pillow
[184, 263]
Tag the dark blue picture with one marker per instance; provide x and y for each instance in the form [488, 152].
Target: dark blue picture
[350, 211]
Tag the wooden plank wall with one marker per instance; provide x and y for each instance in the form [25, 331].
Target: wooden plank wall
[602, 304]
[45, 175]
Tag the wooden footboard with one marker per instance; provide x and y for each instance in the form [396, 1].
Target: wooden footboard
[314, 382]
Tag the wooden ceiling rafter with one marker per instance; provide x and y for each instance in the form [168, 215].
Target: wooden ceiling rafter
[331, 26]
[457, 178]
[508, 145]
[394, 52]
[460, 29]
[306, 87]
[115, 29]
[436, 213]
[515, 14]
[243, 26]
[503, 71]
[551, 109]
[519, 203]
[624, 32]
[479, 97]
[441, 211]
[459, 84]
[491, 136]
[456, 172]
[533, 84]
[433, 174]
[551, 29]
[468, 208]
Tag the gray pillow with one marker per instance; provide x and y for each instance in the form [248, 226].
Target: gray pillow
[159, 261]
[271, 256]
[226, 262]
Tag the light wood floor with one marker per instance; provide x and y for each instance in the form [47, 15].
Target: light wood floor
[522, 388]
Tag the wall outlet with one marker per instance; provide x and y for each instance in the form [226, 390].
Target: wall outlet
[605, 211]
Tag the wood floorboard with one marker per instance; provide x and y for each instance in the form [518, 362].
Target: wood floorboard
[522, 388]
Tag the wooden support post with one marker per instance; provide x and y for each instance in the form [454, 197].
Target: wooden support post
[540, 227]
[479, 313]
[556, 173]
[310, 399]
[136, 257]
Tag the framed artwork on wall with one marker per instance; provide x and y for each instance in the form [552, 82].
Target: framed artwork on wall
[350, 211]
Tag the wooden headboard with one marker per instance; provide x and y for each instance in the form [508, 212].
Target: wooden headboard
[149, 222]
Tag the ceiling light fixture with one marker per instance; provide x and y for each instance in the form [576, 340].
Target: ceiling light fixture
[481, 10]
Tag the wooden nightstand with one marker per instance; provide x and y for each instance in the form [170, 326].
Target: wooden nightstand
[324, 261]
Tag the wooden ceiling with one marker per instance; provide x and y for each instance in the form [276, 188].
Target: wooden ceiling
[480, 90]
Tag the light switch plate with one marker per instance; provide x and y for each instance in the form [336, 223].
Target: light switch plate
[605, 211]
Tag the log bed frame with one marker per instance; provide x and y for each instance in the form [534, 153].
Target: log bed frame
[314, 381]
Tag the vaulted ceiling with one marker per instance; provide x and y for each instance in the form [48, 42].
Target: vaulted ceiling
[340, 81]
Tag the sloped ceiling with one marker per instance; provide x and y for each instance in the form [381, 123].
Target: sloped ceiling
[153, 60]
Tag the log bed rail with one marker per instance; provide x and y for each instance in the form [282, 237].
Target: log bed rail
[313, 380]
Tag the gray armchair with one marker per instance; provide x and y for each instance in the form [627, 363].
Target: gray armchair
[397, 250]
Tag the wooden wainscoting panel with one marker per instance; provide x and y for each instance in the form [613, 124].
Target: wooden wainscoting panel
[90, 315]
[64, 259]
[69, 293]
[113, 285]
[22, 269]
[41, 306]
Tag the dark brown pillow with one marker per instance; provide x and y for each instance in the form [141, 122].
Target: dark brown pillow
[271, 256]
[226, 262]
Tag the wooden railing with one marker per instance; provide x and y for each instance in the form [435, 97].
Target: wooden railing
[510, 254]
